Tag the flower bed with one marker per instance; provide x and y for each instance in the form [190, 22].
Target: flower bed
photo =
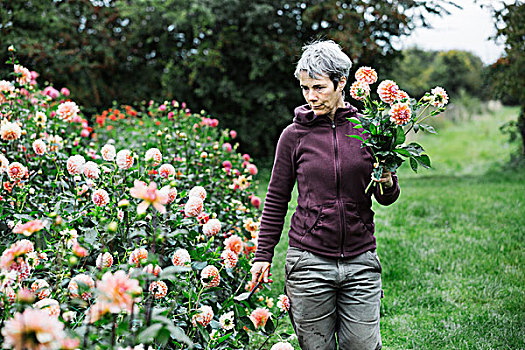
[138, 229]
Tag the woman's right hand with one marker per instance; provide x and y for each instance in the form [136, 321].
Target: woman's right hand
[258, 268]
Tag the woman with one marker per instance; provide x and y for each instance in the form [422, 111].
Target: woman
[332, 272]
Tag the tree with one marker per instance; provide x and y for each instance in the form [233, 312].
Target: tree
[508, 71]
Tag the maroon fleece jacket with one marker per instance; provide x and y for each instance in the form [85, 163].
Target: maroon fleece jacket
[334, 216]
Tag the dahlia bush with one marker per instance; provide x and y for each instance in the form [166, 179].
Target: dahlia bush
[384, 123]
[135, 232]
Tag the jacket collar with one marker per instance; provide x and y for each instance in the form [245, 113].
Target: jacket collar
[304, 115]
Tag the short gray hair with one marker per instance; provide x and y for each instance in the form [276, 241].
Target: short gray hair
[324, 58]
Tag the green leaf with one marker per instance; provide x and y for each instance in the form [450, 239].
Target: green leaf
[178, 334]
[269, 327]
[400, 136]
[416, 128]
[354, 120]
[428, 128]
[223, 338]
[424, 160]
[373, 129]
[358, 126]
[413, 164]
[356, 137]
[402, 151]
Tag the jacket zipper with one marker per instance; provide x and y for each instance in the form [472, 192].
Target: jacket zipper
[337, 185]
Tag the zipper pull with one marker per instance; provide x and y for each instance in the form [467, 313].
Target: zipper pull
[333, 124]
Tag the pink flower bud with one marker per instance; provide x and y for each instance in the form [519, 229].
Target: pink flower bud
[65, 91]
[233, 134]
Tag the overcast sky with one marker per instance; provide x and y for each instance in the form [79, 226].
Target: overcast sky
[467, 29]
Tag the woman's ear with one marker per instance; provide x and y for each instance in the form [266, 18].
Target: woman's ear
[342, 83]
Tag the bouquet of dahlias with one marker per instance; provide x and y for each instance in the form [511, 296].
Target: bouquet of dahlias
[386, 123]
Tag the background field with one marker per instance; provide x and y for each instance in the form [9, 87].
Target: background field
[452, 245]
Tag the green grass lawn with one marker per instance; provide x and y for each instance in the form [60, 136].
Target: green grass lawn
[452, 246]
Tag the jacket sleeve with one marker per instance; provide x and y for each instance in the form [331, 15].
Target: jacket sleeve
[390, 194]
[278, 195]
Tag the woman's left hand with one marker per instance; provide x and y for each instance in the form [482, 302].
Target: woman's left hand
[386, 179]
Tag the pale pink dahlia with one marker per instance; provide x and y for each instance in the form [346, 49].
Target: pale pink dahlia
[104, 260]
[234, 243]
[78, 250]
[158, 289]
[41, 288]
[359, 90]
[260, 316]
[75, 164]
[137, 256]
[91, 170]
[210, 276]
[203, 317]
[387, 91]
[108, 152]
[166, 170]
[154, 155]
[366, 74]
[282, 346]
[193, 207]
[283, 303]
[117, 292]
[29, 227]
[229, 259]
[67, 111]
[16, 171]
[24, 74]
[401, 95]
[125, 159]
[5, 90]
[212, 227]
[87, 285]
[39, 147]
[439, 97]
[181, 258]
[51, 306]
[400, 113]
[100, 197]
[198, 191]
[172, 194]
[10, 131]
[10, 294]
[33, 329]
[150, 195]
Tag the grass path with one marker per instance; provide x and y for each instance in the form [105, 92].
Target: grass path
[452, 246]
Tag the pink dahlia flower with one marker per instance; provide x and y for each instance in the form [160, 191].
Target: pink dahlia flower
[387, 91]
[67, 111]
[181, 258]
[212, 227]
[137, 256]
[10, 131]
[41, 288]
[5, 90]
[234, 243]
[29, 227]
[51, 92]
[154, 270]
[255, 201]
[100, 197]
[366, 74]
[401, 95]
[154, 155]
[4, 164]
[283, 303]
[400, 113]
[39, 147]
[24, 75]
[172, 194]
[227, 147]
[16, 171]
[104, 260]
[252, 169]
[260, 316]
[198, 191]
[193, 207]
[78, 250]
[359, 90]
[150, 195]
[108, 152]
[117, 291]
[91, 170]
[229, 259]
[203, 317]
[210, 276]
[125, 159]
[166, 170]
[75, 164]
[158, 289]
[87, 285]
[50, 305]
[33, 329]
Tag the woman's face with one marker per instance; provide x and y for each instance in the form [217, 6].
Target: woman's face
[320, 94]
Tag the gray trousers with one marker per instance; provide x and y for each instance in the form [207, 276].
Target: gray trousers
[334, 296]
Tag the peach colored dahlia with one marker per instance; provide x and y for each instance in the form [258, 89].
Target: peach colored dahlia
[75, 164]
[283, 303]
[117, 291]
[212, 227]
[104, 260]
[50, 305]
[193, 207]
[67, 111]
[33, 329]
[359, 90]
[39, 147]
[10, 131]
[181, 258]
[260, 316]
[439, 97]
[234, 243]
[198, 191]
[210, 276]
[137, 256]
[150, 195]
[229, 259]
[400, 113]
[91, 170]
[87, 286]
[158, 289]
[166, 170]
[4, 164]
[282, 346]
[366, 74]
[203, 317]
[41, 288]
[387, 91]
[125, 159]
[108, 152]
[29, 227]
[154, 155]
[16, 171]
[100, 197]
